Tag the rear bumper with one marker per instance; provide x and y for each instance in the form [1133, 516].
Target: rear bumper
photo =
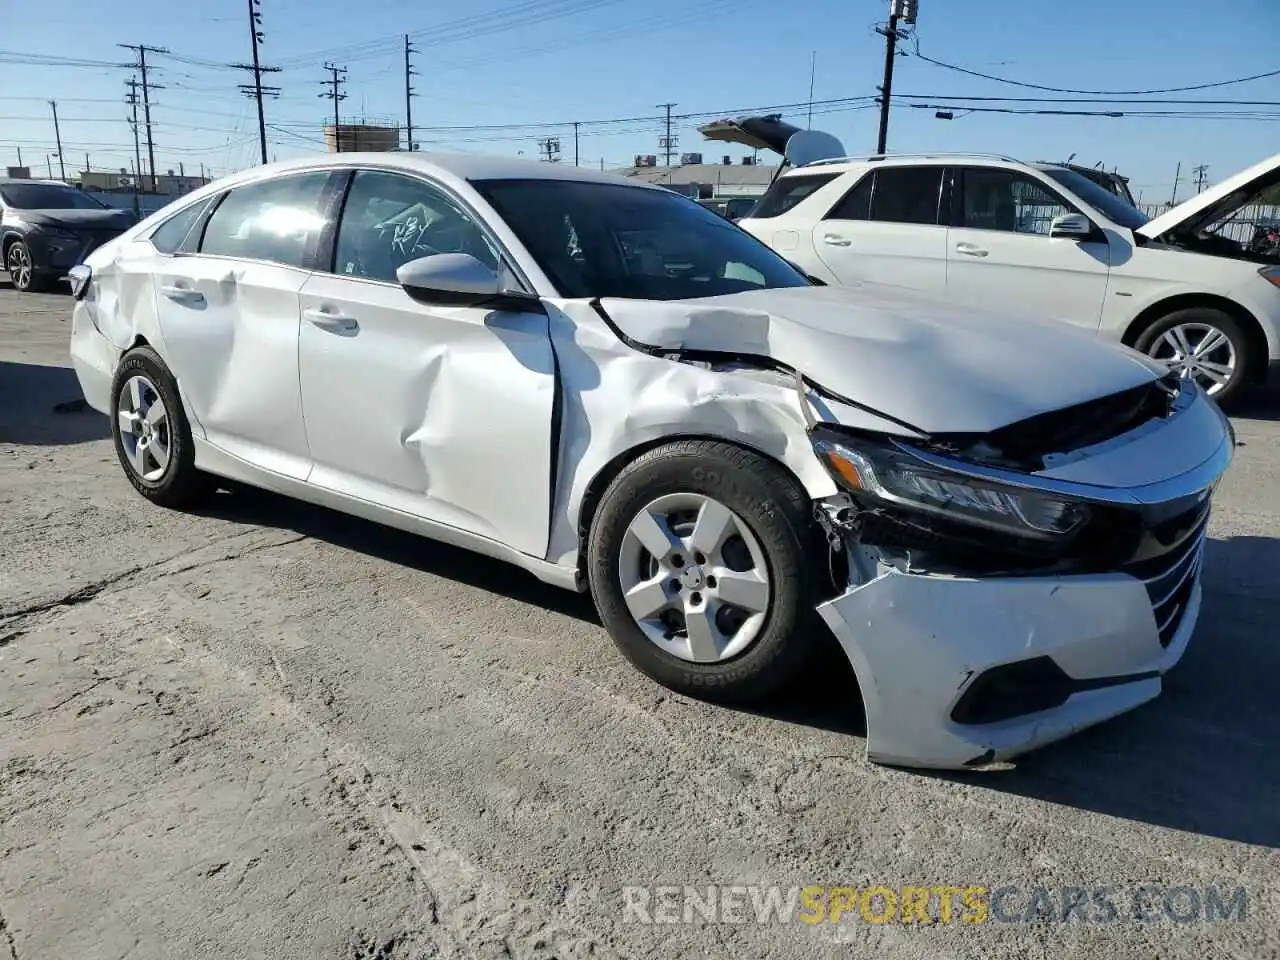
[94, 358]
[922, 645]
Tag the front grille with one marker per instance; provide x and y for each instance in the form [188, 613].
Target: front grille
[1171, 577]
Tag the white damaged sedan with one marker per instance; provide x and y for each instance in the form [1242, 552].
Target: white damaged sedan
[1000, 519]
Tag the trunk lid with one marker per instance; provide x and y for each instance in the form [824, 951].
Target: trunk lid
[795, 145]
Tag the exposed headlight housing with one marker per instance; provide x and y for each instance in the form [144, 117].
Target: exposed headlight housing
[877, 472]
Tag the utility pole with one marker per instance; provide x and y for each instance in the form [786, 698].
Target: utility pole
[813, 68]
[408, 94]
[19, 156]
[337, 77]
[1177, 177]
[87, 168]
[1202, 176]
[132, 100]
[256, 91]
[550, 148]
[576, 124]
[57, 136]
[147, 87]
[667, 144]
[899, 11]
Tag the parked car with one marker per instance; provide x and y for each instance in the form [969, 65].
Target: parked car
[1001, 519]
[47, 227]
[1039, 238]
[1109, 180]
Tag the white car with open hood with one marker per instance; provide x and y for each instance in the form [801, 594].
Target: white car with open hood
[1001, 519]
[1036, 238]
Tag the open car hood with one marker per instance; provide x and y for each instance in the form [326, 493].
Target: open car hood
[771, 132]
[930, 366]
[1219, 201]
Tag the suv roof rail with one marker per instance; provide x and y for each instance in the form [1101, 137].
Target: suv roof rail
[914, 156]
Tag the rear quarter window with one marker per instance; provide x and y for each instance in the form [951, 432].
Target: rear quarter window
[788, 192]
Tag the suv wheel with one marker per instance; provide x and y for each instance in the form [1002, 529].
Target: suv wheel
[1204, 344]
[700, 561]
[22, 271]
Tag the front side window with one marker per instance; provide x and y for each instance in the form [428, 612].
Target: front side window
[788, 192]
[607, 240]
[47, 196]
[390, 219]
[274, 220]
[996, 199]
[906, 195]
[856, 204]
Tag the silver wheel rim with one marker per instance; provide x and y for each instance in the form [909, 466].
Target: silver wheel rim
[19, 266]
[144, 429]
[1200, 352]
[694, 578]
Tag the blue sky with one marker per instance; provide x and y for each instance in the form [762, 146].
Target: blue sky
[561, 60]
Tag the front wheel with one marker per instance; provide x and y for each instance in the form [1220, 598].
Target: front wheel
[22, 270]
[1205, 345]
[701, 561]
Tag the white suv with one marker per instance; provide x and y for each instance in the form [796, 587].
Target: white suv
[1042, 239]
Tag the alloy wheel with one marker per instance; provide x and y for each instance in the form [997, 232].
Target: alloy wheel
[144, 428]
[694, 578]
[1198, 351]
[19, 266]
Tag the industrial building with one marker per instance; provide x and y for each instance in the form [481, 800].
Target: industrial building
[355, 136]
[700, 180]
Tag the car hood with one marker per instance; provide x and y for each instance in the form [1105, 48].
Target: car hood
[918, 360]
[1219, 201]
[79, 219]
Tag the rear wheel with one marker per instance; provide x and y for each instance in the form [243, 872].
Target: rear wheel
[1203, 344]
[151, 432]
[701, 560]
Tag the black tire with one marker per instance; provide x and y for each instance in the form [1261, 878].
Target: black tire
[181, 484]
[1229, 326]
[34, 281]
[778, 512]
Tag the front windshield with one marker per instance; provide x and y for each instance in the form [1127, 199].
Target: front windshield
[614, 240]
[1111, 206]
[47, 196]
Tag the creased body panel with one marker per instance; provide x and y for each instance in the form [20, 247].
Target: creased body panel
[917, 642]
[915, 358]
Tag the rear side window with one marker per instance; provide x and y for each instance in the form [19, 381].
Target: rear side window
[274, 220]
[172, 235]
[906, 195]
[787, 193]
[856, 204]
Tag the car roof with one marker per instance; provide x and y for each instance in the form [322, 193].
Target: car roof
[845, 164]
[460, 166]
[33, 181]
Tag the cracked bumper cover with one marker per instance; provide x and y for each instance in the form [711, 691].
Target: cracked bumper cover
[918, 642]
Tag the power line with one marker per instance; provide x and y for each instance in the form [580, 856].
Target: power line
[1165, 101]
[1118, 93]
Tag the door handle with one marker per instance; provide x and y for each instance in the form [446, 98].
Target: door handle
[331, 320]
[182, 294]
[834, 240]
[971, 250]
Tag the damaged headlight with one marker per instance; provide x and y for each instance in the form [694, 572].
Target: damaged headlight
[876, 472]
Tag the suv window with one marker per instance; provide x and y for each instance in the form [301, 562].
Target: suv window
[856, 204]
[906, 194]
[274, 220]
[174, 234]
[787, 193]
[390, 219]
[995, 199]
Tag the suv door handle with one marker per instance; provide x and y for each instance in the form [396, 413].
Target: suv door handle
[182, 294]
[331, 320]
[971, 250]
[835, 240]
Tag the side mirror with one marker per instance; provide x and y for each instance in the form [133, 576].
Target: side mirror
[457, 279]
[1071, 226]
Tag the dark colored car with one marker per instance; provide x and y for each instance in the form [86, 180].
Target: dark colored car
[46, 228]
[731, 208]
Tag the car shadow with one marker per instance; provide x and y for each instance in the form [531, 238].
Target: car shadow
[41, 405]
[1260, 403]
[242, 504]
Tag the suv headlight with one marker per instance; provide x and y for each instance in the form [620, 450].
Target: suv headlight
[876, 472]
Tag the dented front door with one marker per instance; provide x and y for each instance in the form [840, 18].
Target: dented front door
[441, 412]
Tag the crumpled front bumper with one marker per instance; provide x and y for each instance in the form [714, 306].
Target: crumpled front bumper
[918, 642]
